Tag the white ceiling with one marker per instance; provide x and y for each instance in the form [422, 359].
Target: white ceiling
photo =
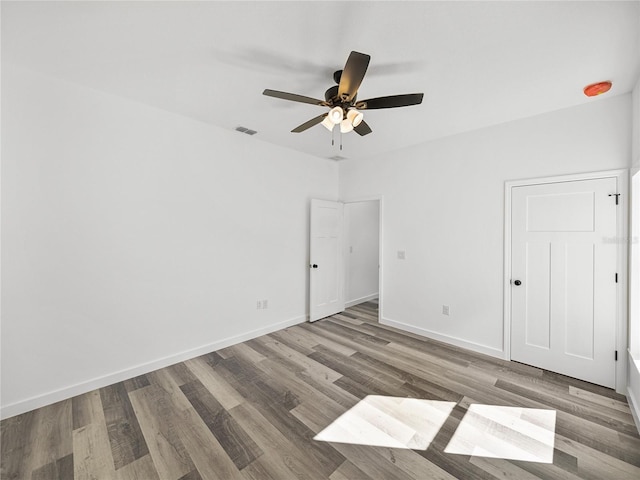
[479, 63]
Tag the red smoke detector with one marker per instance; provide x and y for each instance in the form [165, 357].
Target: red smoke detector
[597, 89]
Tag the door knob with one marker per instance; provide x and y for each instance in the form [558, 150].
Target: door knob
[517, 283]
[314, 266]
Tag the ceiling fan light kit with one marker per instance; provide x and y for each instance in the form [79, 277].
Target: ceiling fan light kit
[341, 99]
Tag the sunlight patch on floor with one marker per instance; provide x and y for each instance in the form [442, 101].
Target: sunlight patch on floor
[395, 422]
[510, 433]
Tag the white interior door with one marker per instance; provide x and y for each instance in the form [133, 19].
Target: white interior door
[564, 280]
[326, 296]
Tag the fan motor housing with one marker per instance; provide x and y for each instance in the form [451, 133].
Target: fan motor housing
[331, 93]
[332, 98]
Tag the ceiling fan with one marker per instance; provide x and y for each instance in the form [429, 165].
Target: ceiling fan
[342, 102]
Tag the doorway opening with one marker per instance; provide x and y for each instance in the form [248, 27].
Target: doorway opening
[362, 254]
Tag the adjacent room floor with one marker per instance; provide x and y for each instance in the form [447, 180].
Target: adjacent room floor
[343, 399]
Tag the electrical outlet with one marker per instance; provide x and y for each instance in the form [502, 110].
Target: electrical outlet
[402, 254]
[265, 304]
[445, 309]
[258, 305]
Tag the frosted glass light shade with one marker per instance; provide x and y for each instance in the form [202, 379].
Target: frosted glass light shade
[355, 117]
[335, 115]
[346, 126]
[328, 124]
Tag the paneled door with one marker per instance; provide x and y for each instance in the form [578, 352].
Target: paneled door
[326, 272]
[563, 278]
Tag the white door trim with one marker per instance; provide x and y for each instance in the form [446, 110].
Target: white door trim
[622, 177]
[379, 198]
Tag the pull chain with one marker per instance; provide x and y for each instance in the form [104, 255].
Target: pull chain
[333, 135]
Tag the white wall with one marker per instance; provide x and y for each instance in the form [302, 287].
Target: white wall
[635, 137]
[362, 220]
[444, 205]
[132, 237]
[633, 366]
[633, 358]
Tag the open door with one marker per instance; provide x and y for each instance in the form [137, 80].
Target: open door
[326, 296]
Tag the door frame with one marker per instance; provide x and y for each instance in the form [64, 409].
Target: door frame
[622, 178]
[380, 199]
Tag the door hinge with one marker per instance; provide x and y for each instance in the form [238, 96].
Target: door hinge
[616, 355]
[616, 278]
[615, 195]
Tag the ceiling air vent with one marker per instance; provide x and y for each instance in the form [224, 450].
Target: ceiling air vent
[337, 158]
[248, 131]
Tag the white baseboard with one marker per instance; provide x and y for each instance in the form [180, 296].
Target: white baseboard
[634, 406]
[360, 300]
[458, 342]
[48, 398]
[633, 387]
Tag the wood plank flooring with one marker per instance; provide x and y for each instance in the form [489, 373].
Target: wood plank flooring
[251, 412]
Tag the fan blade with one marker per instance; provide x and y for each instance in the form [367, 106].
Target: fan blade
[309, 124]
[293, 97]
[391, 101]
[352, 75]
[362, 129]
